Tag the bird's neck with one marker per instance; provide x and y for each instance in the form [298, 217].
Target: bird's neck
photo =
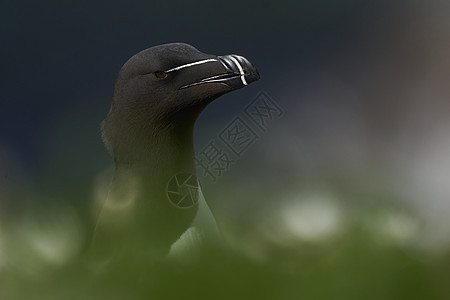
[139, 211]
[169, 149]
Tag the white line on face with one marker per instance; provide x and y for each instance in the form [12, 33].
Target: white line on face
[192, 64]
[241, 71]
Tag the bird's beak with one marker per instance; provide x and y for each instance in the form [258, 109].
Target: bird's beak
[238, 72]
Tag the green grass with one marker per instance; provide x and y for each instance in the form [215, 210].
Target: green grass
[353, 265]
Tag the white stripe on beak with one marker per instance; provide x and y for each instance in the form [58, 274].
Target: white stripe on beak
[192, 64]
[241, 71]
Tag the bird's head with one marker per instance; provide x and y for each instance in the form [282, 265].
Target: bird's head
[169, 85]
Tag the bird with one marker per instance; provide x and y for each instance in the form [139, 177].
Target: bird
[154, 202]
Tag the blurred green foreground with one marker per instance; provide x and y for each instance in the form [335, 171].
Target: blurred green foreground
[355, 264]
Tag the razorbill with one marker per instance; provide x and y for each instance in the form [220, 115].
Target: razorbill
[154, 196]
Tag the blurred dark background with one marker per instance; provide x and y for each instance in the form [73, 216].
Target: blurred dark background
[364, 86]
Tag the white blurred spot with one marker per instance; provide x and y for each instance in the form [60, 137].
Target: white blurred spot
[401, 227]
[52, 238]
[396, 227]
[123, 197]
[315, 218]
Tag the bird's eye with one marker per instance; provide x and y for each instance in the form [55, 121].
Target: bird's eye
[160, 74]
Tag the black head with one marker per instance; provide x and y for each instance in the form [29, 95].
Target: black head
[169, 85]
